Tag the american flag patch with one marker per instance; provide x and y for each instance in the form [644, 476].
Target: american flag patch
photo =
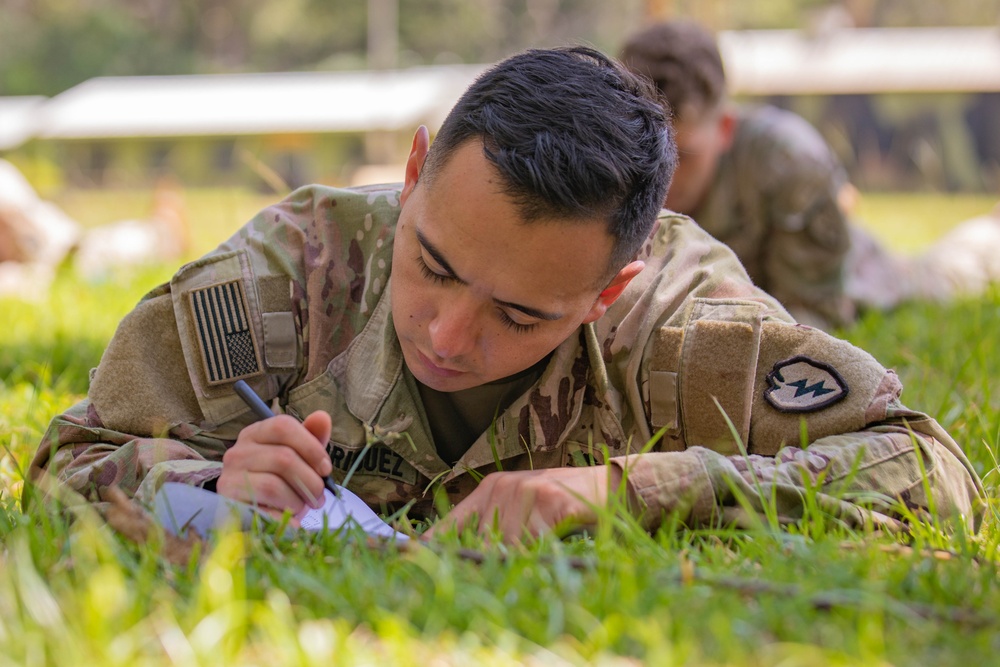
[228, 347]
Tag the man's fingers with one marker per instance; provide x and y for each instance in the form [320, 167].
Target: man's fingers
[288, 431]
[526, 504]
[263, 489]
[266, 466]
[319, 425]
[466, 512]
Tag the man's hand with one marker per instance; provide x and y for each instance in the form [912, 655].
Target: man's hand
[278, 464]
[532, 502]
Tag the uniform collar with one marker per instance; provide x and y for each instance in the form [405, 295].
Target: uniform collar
[374, 363]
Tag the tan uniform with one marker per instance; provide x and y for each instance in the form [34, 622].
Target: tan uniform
[297, 303]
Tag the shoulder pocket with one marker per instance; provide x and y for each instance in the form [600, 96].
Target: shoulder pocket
[218, 319]
[701, 375]
[716, 379]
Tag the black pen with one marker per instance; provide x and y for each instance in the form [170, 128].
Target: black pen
[259, 408]
[253, 401]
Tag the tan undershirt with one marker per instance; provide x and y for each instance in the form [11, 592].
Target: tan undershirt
[458, 418]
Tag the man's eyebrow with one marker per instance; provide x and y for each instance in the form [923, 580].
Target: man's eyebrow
[439, 258]
[529, 311]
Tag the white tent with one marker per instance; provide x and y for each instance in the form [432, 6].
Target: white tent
[867, 60]
[167, 106]
[17, 119]
[762, 62]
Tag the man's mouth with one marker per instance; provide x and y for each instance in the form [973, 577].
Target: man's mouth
[439, 371]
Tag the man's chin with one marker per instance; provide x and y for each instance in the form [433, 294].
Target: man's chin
[444, 385]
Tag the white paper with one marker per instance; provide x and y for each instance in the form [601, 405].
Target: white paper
[337, 512]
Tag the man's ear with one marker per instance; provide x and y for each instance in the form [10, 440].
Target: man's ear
[727, 128]
[613, 290]
[415, 162]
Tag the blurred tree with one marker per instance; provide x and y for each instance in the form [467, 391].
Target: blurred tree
[47, 46]
[307, 34]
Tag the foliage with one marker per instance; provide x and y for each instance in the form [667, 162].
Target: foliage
[73, 592]
[47, 46]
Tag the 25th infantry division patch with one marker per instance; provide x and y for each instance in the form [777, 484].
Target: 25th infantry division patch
[228, 347]
[801, 384]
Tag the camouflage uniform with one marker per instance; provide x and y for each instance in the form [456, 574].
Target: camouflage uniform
[963, 262]
[297, 303]
[774, 201]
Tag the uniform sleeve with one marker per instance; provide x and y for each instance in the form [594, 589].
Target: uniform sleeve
[765, 417]
[80, 452]
[161, 405]
[803, 260]
[863, 478]
[141, 424]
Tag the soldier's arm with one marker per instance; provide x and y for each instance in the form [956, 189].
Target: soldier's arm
[768, 417]
[78, 450]
[160, 406]
[867, 479]
[141, 424]
[864, 479]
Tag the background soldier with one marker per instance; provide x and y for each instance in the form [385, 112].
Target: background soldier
[763, 181]
[35, 236]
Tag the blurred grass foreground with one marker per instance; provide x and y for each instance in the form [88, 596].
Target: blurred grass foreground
[74, 592]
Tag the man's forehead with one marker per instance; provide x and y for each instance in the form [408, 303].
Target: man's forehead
[466, 195]
[535, 245]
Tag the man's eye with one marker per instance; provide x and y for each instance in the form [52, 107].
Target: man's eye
[514, 325]
[431, 275]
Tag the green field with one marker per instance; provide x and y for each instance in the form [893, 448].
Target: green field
[75, 593]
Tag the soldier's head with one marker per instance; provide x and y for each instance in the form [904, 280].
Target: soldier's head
[682, 60]
[525, 217]
[573, 136]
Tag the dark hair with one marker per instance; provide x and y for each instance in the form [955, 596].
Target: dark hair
[572, 134]
[682, 59]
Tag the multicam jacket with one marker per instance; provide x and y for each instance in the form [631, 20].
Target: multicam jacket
[692, 358]
[774, 202]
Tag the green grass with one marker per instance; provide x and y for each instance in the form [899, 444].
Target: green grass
[816, 594]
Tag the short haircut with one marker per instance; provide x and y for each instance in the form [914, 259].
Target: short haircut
[572, 135]
[682, 60]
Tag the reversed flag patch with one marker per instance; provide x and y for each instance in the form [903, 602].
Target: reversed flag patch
[801, 384]
[228, 347]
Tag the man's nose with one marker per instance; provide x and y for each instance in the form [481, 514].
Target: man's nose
[455, 329]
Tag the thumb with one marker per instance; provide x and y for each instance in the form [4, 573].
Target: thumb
[320, 425]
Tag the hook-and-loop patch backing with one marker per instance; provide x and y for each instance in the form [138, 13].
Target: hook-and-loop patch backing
[228, 346]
